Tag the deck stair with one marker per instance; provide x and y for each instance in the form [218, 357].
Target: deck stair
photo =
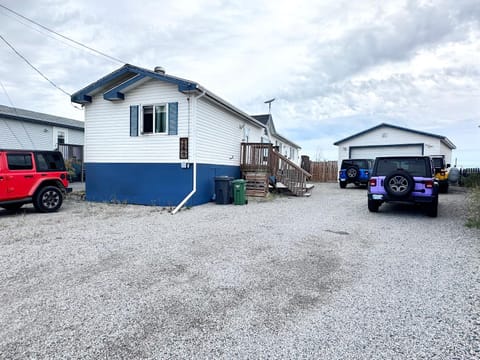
[260, 162]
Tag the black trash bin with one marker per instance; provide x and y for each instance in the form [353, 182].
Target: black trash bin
[223, 190]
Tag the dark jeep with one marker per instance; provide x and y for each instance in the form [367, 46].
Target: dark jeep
[355, 171]
[404, 179]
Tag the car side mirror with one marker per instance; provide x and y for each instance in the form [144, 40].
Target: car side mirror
[448, 165]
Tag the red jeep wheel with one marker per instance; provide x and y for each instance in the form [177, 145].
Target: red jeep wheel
[48, 199]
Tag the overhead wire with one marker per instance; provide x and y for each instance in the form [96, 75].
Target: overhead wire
[63, 36]
[6, 122]
[33, 67]
[36, 29]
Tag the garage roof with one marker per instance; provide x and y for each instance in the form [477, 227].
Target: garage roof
[7, 112]
[443, 139]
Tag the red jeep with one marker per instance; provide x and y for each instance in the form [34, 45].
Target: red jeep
[32, 176]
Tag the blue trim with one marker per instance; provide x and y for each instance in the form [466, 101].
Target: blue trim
[173, 118]
[152, 184]
[127, 73]
[116, 92]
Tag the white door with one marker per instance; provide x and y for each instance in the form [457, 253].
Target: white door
[371, 152]
[60, 136]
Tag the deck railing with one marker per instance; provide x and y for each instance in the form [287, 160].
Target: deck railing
[255, 156]
[261, 157]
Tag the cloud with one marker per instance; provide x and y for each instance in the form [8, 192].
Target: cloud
[334, 67]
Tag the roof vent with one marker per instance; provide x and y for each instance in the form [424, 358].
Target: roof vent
[159, 70]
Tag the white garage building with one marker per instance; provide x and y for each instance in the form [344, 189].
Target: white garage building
[390, 140]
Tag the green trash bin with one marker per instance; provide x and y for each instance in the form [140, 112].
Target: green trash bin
[239, 192]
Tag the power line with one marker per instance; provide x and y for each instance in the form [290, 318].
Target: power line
[40, 31]
[5, 121]
[63, 36]
[33, 67]
[21, 122]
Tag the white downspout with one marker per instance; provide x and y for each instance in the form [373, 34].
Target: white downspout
[194, 150]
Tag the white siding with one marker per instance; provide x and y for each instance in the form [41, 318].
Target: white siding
[445, 150]
[107, 127]
[287, 150]
[220, 133]
[75, 137]
[391, 136]
[16, 134]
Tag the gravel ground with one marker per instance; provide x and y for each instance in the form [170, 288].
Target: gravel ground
[288, 277]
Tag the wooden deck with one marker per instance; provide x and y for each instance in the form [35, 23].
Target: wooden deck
[259, 161]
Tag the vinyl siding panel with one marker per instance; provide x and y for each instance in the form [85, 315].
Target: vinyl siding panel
[15, 134]
[75, 137]
[287, 150]
[389, 136]
[445, 150]
[107, 127]
[220, 133]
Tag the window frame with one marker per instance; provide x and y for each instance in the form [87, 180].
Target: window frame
[154, 115]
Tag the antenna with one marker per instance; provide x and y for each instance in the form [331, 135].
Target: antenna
[269, 102]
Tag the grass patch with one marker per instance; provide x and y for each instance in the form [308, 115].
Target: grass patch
[473, 217]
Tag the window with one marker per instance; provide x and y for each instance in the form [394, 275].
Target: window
[154, 119]
[49, 162]
[415, 166]
[19, 161]
[60, 138]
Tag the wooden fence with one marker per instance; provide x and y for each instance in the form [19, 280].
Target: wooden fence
[468, 171]
[322, 171]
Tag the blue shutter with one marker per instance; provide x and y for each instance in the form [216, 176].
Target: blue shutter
[173, 118]
[134, 120]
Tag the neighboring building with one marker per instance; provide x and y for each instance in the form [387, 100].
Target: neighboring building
[156, 139]
[23, 129]
[386, 140]
[29, 130]
[285, 147]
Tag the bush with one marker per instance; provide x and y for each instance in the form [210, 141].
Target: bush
[472, 180]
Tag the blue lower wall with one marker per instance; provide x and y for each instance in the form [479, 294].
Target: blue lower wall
[152, 184]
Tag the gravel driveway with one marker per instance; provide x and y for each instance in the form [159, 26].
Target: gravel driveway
[316, 277]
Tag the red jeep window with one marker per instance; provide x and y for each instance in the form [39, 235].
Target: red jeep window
[49, 162]
[19, 161]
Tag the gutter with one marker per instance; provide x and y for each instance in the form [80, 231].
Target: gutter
[194, 130]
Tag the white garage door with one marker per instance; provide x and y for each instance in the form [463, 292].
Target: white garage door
[371, 152]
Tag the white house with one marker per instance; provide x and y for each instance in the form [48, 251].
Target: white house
[385, 140]
[285, 147]
[156, 139]
[23, 129]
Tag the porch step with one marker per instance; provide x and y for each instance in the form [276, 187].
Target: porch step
[297, 189]
[257, 184]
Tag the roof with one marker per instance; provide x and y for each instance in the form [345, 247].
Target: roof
[7, 112]
[442, 138]
[262, 118]
[267, 120]
[115, 85]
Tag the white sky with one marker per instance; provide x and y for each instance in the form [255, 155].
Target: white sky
[335, 67]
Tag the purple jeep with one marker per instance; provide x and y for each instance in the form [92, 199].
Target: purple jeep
[404, 179]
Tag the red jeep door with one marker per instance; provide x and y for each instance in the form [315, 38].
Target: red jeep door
[19, 176]
[3, 170]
